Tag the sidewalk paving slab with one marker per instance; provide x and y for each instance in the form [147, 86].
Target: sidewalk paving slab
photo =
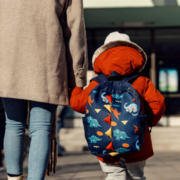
[84, 166]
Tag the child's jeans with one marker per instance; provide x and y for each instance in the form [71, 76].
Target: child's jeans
[41, 115]
[123, 171]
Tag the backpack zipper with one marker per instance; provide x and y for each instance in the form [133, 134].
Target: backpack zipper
[132, 91]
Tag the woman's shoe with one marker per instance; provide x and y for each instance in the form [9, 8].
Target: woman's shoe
[16, 178]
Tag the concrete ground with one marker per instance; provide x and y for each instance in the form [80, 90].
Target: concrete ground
[84, 166]
[164, 165]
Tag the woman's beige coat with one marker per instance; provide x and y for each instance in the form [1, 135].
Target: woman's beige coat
[42, 49]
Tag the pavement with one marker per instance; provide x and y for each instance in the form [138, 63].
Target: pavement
[78, 164]
[84, 166]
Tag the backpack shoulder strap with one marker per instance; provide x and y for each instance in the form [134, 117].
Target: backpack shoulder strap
[134, 77]
[100, 79]
[127, 79]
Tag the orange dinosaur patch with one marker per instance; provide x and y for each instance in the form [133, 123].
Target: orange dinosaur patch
[137, 129]
[115, 113]
[90, 100]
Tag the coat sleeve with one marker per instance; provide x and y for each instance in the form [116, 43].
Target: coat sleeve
[79, 97]
[73, 26]
[154, 103]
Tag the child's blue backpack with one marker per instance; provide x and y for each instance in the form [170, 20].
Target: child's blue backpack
[114, 122]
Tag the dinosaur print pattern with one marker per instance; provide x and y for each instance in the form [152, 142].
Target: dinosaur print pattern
[104, 152]
[94, 139]
[120, 134]
[117, 96]
[122, 150]
[137, 145]
[132, 108]
[94, 91]
[115, 113]
[107, 98]
[108, 119]
[90, 100]
[94, 152]
[93, 122]
[137, 129]
[113, 118]
[116, 105]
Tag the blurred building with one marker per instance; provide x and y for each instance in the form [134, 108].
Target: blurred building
[152, 24]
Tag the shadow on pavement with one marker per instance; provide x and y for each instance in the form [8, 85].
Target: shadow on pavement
[74, 168]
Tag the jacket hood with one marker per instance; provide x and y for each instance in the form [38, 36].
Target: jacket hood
[122, 59]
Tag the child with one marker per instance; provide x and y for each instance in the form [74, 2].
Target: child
[124, 57]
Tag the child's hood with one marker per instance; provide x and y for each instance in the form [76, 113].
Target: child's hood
[122, 59]
[119, 54]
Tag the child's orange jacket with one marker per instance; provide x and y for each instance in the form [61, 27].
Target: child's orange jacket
[125, 60]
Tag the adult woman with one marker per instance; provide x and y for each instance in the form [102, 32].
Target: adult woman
[42, 54]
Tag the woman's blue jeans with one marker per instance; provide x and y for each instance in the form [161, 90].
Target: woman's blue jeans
[41, 115]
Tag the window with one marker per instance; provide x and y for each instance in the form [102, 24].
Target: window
[168, 80]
